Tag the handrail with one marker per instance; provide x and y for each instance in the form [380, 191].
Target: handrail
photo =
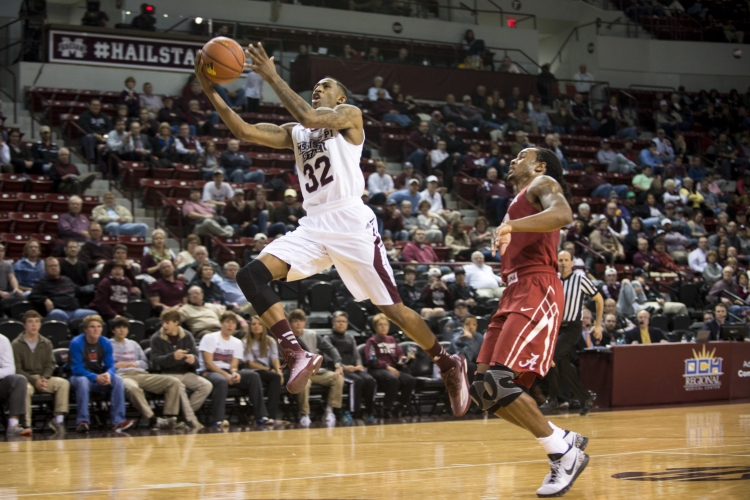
[637, 86]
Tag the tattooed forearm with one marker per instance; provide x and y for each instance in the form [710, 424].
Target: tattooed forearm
[297, 106]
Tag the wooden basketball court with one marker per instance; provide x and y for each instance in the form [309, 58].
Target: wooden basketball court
[683, 453]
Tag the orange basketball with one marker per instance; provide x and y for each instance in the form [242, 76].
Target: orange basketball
[222, 60]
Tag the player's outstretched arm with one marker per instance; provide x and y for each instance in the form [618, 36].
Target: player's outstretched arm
[266, 134]
[342, 117]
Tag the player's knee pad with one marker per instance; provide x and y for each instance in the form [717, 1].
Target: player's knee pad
[253, 280]
[495, 389]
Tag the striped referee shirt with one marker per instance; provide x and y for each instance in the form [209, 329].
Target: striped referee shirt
[575, 287]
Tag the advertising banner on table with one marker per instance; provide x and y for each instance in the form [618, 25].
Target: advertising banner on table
[101, 49]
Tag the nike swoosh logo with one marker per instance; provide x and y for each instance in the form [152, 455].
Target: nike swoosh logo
[570, 471]
[526, 308]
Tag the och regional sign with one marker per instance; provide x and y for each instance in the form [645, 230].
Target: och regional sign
[703, 371]
[100, 49]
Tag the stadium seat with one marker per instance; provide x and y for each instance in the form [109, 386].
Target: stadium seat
[40, 184]
[185, 171]
[17, 309]
[660, 321]
[357, 315]
[24, 222]
[321, 297]
[153, 189]
[11, 328]
[135, 246]
[136, 330]
[9, 202]
[57, 203]
[31, 202]
[49, 222]
[139, 309]
[56, 331]
[12, 183]
[89, 203]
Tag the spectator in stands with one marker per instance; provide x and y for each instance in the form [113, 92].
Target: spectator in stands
[217, 192]
[129, 266]
[617, 224]
[563, 122]
[580, 110]
[411, 294]
[236, 164]
[461, 291]
[260, 241]
[494, 195]
[57, 294]
[93, 370]
[289, 212]
[435, 293]
[584, 80]
[233, 98]
[718, 319]
[30, 268]
[73, 224]
[208, 161]
[212, 292]
[238, 213]
[385, 110]
[725, 283]
[203, 215]
[544, 84]
[150, 101]
[166, 292]
[8, 283]
[393, 222]
[44, 151]
[199, 317]
[642, 182]
[253, 87]
[204, 110]
[664, 146]
[155, 253]
[117, 219]
[521, 143]
[261, 355]
[431, 222]
[132, 366]
[650, 157]
[667, 119]
[261, 209]
[416, 251]
[68, 179]
[146, 20]
[470, 110]
[199, 256]
[597, 186]
[129, 97]
[362, 385]
[418, 146]
[444, 162]
[93, 252]
[188, 147]
[606, 243]
[410, 220]
[677, 244]
[508, 66]
[616, 162]
[35, 361]
[433, 194]
[611, 287]
[457, 239]
[164, 143]
[73, 268]
[436, 126]
[173, 353]
[713, 270]
[95, 125]
[112, 293]
[172, 116]
[540, 119]
[234, 297]
[137, 147]
[377, 84]
[481, 237]
[456, 114]
[20, 156]
[332, 376]
[221, 354]
[481, 277]
[13, 389]
[643, 333]
[387, 365]
[199, 116]
[380, 184]
[6, 166]
[621, 322]
[117, 139]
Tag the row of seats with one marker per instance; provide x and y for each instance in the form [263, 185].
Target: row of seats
[25, 229]
[44, 202]
[17, 183]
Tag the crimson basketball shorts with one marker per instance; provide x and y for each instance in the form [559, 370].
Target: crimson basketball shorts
[523, 332]
[345, 235]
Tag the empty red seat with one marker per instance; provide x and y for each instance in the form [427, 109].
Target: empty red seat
[49, 222]
[135, 246]
[89, 203]
[57, 203]
[153, 190]
[32, 202]
[186, 172]
[24, 222]
[40, 184]
[12, 183]
[8, 202]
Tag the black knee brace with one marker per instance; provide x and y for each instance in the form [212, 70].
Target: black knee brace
[496, 389]
[253, 280]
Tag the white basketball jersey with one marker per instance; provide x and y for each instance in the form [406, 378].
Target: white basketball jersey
[327, 166]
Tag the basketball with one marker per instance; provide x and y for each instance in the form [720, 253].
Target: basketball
[223, 60]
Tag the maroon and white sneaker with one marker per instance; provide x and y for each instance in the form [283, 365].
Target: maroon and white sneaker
[457, 384]
[302, 365]
[123, 426]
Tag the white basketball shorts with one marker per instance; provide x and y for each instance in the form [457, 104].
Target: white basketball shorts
[343, 234]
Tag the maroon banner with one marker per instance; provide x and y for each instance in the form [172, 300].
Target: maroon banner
[422, 82]
[643, 375]
[102, 49]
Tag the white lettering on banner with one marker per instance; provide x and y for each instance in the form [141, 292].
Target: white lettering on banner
[117, 49]
[130, 55]
[101, 50]
[746, 364]
[189, 58]
[703, 371]
[164, 55]
[150, 57]
[743, 373]
[177, 52]
[75, 47]
[140, 53]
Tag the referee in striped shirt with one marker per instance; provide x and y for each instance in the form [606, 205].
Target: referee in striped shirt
[575, 286]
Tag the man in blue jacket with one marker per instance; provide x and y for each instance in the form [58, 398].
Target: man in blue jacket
[93, 367]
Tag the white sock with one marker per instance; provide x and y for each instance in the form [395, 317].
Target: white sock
[329, 409]
[554, 427]
[554, 443]
[12, 422]
[60, 419]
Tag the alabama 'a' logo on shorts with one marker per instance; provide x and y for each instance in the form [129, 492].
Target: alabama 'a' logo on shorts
[529, 363]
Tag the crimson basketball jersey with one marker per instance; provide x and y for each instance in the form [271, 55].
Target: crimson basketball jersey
[528, 250]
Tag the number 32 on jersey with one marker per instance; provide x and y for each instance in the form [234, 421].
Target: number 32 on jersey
[320, 170]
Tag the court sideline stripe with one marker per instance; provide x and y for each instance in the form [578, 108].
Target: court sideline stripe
[318, 477]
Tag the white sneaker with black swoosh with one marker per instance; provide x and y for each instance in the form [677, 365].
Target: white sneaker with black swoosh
[574, 439]
[564, 470]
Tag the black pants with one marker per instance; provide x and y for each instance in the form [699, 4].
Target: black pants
[390, 384]
[252, 105]
[272, 385]
[13, 390]
[361, 386]
[250, 384]
[563, 370]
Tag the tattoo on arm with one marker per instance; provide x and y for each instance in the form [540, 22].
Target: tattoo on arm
[291, 100]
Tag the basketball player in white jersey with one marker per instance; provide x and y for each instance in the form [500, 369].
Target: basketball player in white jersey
[339, 228]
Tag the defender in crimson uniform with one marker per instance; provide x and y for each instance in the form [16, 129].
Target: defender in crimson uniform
[521, 338]
[338, 228]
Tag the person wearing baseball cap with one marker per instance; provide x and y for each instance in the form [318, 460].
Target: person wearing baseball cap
[289, 212]
[433, 194]
[44, 151]
[409, 172]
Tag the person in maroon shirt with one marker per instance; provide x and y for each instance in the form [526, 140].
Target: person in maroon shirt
[112, 293]
[393, 222]
[597, 186]
[66, 176]
[399, 182]
[436, 292]
[384, 109]
[166, 292]
[417, 252]
[476, 161]
[418, 146]
[74, 225]
[494, 195]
